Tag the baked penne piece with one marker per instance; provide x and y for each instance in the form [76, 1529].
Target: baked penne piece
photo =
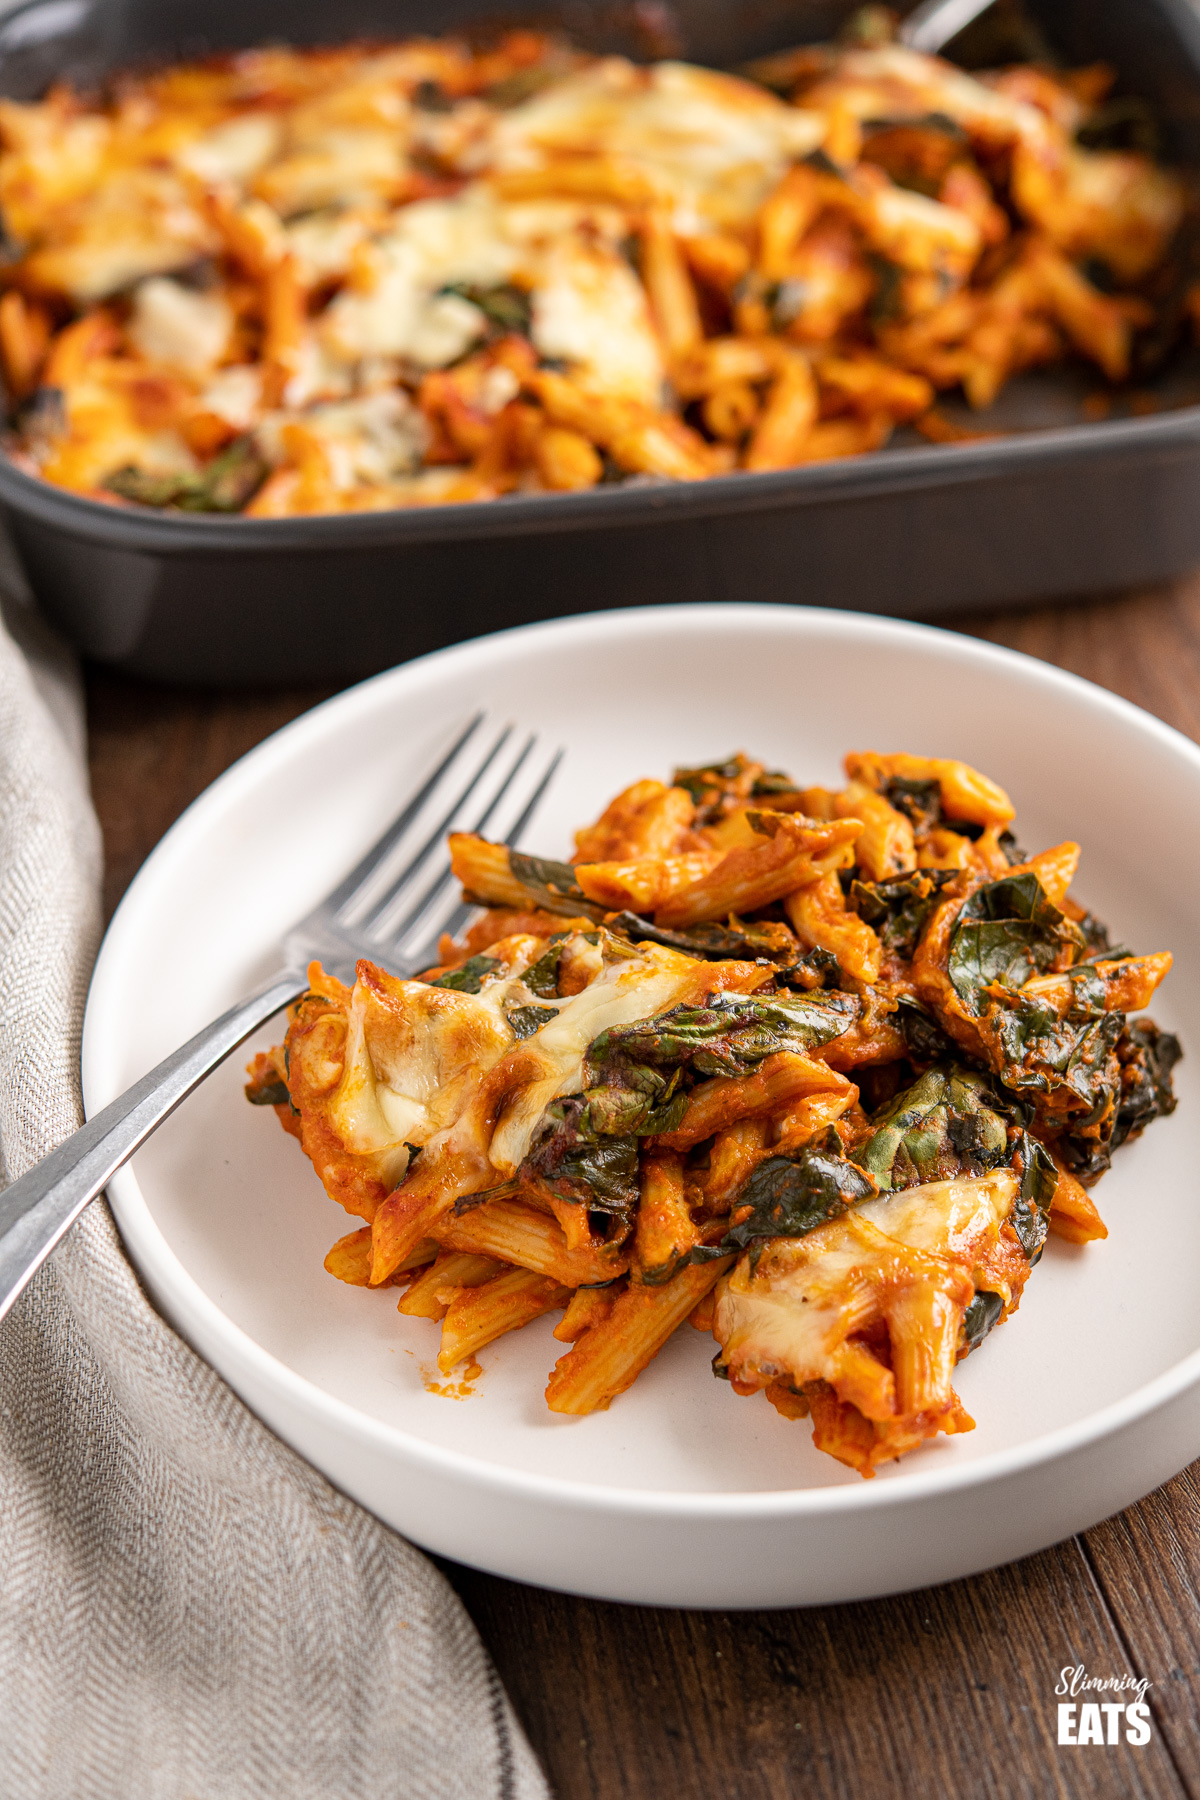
[479, 1314]
[611, 1355]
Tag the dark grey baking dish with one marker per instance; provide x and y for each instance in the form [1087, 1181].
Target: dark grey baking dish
[914, 530]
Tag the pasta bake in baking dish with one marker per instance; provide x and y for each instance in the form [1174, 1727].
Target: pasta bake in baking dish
[816, 1070]
[313, 281]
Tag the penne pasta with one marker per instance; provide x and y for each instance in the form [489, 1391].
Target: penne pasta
[818, 1069]
[522, 1234]
[478, 1315]
[450, 1272]
[441, 271]
[610, 1357]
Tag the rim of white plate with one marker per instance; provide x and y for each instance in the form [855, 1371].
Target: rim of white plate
[167, 1272]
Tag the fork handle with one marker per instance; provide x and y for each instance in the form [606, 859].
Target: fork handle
[37, 1210]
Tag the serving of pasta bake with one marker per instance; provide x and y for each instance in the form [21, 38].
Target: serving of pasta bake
[289, 282]
[813, 1070]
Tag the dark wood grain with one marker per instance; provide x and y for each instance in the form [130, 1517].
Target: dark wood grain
[948, 1692]
[152, 750]
[1146, 1563]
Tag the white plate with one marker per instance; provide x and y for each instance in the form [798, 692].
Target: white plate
[683, 1493]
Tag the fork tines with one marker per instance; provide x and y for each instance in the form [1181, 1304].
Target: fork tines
[490, 781]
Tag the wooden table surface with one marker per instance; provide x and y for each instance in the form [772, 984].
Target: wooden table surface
[946, 1692]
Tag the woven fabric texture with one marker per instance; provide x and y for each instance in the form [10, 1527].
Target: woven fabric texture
[187, 1610]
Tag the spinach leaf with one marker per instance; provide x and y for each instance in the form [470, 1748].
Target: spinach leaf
[597, 1171]
[229, 481]
[926, 1040]
[1043, 1051]
[979, 1318]
[717, 787]
[944, 1125]
[811, 970]
[637, 1101]
[541, 977]
[505, 307]
[899, 908]
[1098, 944]
[525, 1020]
[1007, 932]
[1030, 1213]
[791, 1195]
[1063, 1067]
[267, 1093]
[757, 940]
[553, 884]
[729, 1035]
[1146, 1056]
[470, 978]
[919, 801]
[886, 303]
[523, 84]
[772, 782]
[748, 938]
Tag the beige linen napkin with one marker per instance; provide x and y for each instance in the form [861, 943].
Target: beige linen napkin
[187, 1610]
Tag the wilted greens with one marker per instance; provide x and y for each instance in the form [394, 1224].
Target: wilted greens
[468, 979]
[919, 801]
[765, 938]
[1146, 1057]
[944, 1125]
[225, 486]
[792, 1194]
[541, 977]
[926, 1040]
[899, 909]
[637, 1079]
[716, 787]
[953, 1122]
[552, 884]
[1007, 932]
[1030, 1215]
[979, 1318]
[525, 1020]
[595, 1169]
[505, 307]
[730, 1035]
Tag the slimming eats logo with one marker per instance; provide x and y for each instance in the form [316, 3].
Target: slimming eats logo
[1107, 1720]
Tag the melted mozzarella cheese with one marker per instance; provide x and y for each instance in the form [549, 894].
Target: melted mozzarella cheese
[770, 1329]
[945, 1216]
[920, 233]
[371, 438]
[789, 1316]
[323, 244]
[416, 1054]
[590, 308]
[931, 85]
[236, 150]
[625, 992]
[334, 167]
[710, 143]
[235, 395]
[177, 325]
[402, 313]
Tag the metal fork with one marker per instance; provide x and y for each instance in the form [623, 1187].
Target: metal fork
[379, 911]
[934, 22]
